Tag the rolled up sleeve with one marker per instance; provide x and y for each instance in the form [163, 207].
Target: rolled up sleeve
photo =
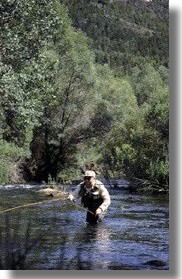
[75, 194]
[106, 198]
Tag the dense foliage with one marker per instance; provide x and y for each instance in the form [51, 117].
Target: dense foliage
[84, 81]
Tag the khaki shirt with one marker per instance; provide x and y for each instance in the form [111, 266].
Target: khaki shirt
[102, 191]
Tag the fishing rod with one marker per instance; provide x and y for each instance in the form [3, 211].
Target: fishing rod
[73, 202]
[83, 208]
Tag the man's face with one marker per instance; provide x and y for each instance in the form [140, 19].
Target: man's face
[89, 181]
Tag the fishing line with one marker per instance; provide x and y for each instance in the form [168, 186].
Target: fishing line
[42, 202]
[28, 205]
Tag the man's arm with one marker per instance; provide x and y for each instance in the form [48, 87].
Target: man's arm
[106, 198]
[74, 195]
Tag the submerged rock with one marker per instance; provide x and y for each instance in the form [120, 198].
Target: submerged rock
[50, 192]
[156, 263]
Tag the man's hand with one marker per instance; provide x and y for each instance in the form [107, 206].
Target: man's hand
[98, 211]
[70, 197]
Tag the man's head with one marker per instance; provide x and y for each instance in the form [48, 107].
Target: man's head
[89, 178]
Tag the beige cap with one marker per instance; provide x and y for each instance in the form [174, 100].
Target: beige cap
[90, 173]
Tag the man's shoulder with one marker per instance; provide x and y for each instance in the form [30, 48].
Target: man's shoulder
[99, 184]
[102, 188]
[80, 186]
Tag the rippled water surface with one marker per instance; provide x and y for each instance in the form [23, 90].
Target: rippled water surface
[54, 235]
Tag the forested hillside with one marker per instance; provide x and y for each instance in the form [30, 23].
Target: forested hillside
[84, 81]
[124, 33]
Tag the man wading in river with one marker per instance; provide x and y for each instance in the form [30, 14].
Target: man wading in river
[93, 195]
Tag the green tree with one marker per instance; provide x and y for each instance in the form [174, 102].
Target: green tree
[46, 74]
[66, 100]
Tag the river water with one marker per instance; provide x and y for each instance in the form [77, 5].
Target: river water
[134, 235]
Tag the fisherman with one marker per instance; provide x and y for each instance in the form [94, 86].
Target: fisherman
[93, 195]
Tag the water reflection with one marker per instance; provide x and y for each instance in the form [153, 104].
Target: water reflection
[99, 233]
[87, 250]
[100, 236]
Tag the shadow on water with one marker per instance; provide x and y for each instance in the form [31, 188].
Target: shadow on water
[16, 243]
[54, 236]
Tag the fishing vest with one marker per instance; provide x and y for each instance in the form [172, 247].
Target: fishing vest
[92, 199]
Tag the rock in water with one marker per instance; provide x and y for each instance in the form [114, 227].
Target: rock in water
[49, 192]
